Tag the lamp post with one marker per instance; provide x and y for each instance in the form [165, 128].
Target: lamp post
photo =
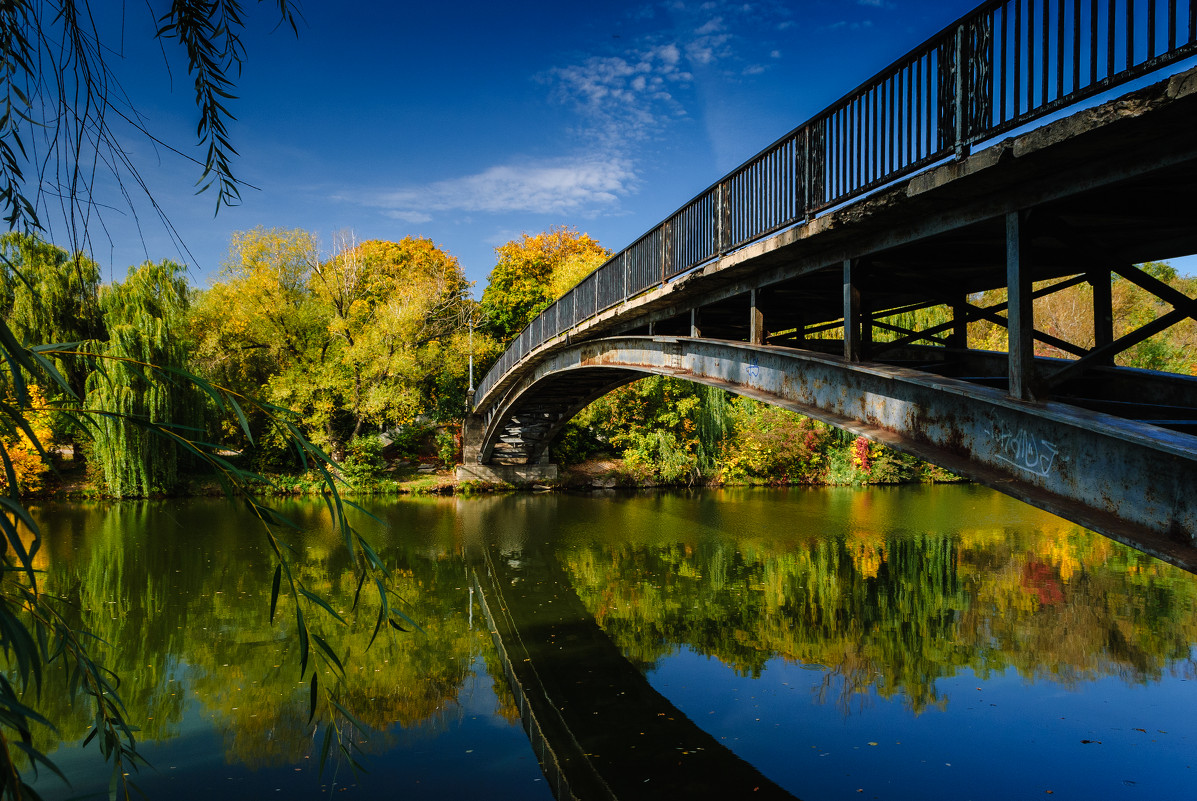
[470, 391]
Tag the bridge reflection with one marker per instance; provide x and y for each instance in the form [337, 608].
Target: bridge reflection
[892, 596]
[599, 730]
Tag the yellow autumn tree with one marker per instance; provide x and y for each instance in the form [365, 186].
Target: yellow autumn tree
[533, 271]
[27, 463]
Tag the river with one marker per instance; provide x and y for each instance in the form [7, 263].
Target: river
[927, 642]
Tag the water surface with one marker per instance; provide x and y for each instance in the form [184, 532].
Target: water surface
[917, 642]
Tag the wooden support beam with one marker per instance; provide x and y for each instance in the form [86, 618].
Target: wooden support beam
[1020, 314]
[852, 340]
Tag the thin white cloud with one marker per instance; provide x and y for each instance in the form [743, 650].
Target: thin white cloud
[577, 186]
[623, 98]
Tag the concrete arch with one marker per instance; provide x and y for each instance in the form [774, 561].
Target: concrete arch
[1129, 480]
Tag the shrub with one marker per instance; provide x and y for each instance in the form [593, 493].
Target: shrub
[363, 460]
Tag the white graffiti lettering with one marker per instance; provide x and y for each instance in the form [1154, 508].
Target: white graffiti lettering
[1025, 451]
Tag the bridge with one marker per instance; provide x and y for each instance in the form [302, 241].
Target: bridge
[997, 155]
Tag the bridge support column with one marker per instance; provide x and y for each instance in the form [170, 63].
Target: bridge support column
[852, 314]
[756, 319]
[1020, 311]
[1103, 311]
[473, 427]
[695, 323]
[958, 337]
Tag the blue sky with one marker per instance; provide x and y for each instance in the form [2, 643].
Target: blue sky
[470, 123]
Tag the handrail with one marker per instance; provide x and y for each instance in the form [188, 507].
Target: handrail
[999, 67]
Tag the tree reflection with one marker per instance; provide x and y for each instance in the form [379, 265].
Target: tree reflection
[182, 596]
[891, 612]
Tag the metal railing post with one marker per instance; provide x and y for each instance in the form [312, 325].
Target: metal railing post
[961, 94]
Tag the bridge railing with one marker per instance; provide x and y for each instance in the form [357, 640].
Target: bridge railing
[1001, 66]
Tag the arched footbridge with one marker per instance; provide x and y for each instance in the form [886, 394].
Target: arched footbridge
[998, 155]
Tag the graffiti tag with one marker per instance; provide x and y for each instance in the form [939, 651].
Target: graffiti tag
[754, 369]
[1025, 451]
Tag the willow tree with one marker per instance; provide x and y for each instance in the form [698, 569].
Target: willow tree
[49, 295]
[64, 123]
[133, 383]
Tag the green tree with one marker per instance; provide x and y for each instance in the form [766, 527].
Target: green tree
[48, 295]
[57, 87]
[138, 380]
[369, 338]
[397, 313]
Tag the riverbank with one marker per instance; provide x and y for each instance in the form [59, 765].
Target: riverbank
[70, 482]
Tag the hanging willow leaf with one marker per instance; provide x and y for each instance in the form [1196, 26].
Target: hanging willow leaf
[274, 588]
[302, 630]
[320, 602]
[312, 712]
[328, 652]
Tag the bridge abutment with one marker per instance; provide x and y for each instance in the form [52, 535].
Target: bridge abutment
[473, 429]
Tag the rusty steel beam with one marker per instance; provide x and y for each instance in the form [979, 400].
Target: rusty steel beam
[1128, 480]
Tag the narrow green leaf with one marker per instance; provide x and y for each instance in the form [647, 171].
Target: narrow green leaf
[328, 651]
[417, 626]
[242, 419]
[312, 702]
[274, 587]
[316, 599]
[357, 594]
[303, 641]
[377, 626]
[357, 724]
[328, 731]
[52, 371]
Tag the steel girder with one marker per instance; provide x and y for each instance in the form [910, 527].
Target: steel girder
[1128, 480]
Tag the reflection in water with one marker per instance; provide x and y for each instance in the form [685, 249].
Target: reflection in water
[188, 584]
[894, 602]
[896, 599]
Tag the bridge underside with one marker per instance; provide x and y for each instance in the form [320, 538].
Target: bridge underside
[1130, 480]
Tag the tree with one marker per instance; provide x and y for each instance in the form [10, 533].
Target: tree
[143, 317]
[63, 116]
[258, 319]
[532, 272]
[48, 295]
[398, 310]
[369, 338]
[58, 106]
